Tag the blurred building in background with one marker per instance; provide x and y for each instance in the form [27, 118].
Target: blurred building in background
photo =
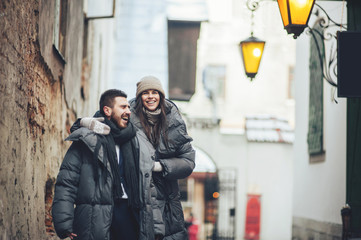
[267, 168]
[192, 47]
[246, 127]
[141, 48]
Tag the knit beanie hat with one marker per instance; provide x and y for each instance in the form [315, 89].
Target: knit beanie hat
[147, 83]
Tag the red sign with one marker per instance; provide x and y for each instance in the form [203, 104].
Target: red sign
[253, 217]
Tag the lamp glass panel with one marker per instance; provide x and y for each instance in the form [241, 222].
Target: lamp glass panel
[252, 54]
[282, 4]
[300, 10]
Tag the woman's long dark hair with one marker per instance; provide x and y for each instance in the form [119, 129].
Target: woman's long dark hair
[160, 129]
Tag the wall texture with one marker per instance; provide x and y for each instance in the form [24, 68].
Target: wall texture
[40, 97]
[31, 125]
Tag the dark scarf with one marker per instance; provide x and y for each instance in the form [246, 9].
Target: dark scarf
[122, 137]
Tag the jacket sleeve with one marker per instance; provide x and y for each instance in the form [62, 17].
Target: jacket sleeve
[180, 166]
[66, 189]
[76, 125]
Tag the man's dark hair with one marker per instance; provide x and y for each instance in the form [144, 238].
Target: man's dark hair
[107, 98]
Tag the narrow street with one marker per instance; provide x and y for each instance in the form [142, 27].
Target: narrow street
[268, 92]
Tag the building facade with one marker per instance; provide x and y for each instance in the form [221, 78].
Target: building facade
[51, 73]
[319, 189]
[216, 117]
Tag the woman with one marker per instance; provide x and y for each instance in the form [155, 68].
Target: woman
[165, 129]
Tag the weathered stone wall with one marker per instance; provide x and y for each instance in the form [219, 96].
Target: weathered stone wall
[34, 120]
[308, 229]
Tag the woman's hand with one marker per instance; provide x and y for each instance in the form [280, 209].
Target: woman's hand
[157, 167]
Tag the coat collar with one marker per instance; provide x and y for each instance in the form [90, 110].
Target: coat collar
[90, 139]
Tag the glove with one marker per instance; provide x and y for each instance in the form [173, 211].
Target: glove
[95, 125]
[157, 167]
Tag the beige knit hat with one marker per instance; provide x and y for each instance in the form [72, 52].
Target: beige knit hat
[147, 83]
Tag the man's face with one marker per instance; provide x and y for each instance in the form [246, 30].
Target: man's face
[120, 113]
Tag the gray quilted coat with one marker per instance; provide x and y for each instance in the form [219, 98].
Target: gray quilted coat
[75, 186]
[178, 162]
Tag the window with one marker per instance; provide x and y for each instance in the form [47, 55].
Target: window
[182, 58]
[60, 27]
[96, 9]
[315, 124]
[214, 77]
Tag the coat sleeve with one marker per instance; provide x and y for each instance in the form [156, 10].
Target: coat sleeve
[66, 189]
[76, 125]
[180, 166]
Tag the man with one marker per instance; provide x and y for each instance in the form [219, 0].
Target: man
[100, 175]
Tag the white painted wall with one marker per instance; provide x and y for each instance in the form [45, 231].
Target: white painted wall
[140, 44]
[228, 152]
[319, 189]
[229, 23]
[262, 168]
[270, 174]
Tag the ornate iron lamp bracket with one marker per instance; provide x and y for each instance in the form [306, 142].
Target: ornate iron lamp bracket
[252, 5]
[328, 33]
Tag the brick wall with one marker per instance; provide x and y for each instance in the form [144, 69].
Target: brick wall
[33, 119]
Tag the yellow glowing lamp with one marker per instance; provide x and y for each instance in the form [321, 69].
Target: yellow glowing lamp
[295, 15]
[251, 50]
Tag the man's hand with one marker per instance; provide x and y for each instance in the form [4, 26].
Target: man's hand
[95, 125]
[71, 235]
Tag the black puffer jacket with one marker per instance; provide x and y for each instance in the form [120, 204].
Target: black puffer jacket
[91, 219]
[151, 220]
[75, 184]
[178, 162]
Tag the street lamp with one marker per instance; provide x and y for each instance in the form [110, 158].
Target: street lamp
[295, 15]
[251, 50]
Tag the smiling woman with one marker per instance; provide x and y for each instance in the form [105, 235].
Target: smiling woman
[160, 120]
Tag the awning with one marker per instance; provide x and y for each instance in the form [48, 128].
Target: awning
[204, 163]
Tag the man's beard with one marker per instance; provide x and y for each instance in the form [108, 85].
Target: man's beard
[117, 120]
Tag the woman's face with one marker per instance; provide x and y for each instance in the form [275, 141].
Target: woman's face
[150, 99]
